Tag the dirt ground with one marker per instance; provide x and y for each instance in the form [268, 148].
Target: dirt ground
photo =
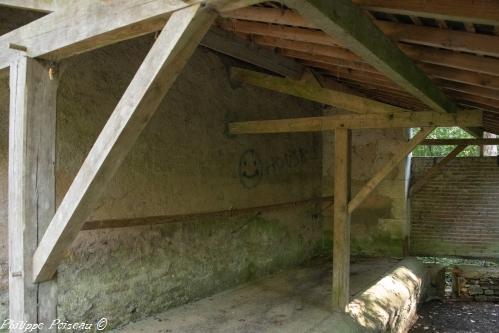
[454, 317]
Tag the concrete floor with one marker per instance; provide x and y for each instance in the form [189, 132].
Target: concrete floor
[295, 300]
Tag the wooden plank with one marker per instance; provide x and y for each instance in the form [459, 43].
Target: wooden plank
[321, 95]
[270, 15]
[31, 186]
[162, 65]
[417, 52]
[461, 142]
[462, 41]
[467, 77]
[435, 170]
[328, 123]
[231, 45]
[388, 168]
[155, 220]
[357, 32]
[229, 5]
[76, 29]
[341, 223]
[469, 89]
[483, 11]
[79, 27]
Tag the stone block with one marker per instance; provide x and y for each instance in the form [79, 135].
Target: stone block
[475, 290]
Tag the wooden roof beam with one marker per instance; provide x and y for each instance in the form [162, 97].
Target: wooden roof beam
[357, 32]
[483, 12]
[420, 36]
[77, 28]
[229, 44]
[314, 93]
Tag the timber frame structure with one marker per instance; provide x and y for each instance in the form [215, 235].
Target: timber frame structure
[353, 55]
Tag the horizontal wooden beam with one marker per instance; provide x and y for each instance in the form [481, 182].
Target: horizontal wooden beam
[314, 93]
[399, 156]
[229, 44]
[461, 142]
[79, 28]
[481, 12]
[356, 31]
[466, 118]
[461, 41]
[407, 33]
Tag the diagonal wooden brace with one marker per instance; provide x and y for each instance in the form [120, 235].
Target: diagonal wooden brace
[164, 62]
[381, 174]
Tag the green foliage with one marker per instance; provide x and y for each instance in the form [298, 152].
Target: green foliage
[444, 133]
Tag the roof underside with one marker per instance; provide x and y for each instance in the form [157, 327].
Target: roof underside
[460, 56]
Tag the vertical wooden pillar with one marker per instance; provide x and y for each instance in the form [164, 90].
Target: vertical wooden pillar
[31, 185]
[341, 239]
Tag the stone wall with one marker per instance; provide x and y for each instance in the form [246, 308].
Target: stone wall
[183, 163]
[456, 212]
[379, 225]
[476, 283]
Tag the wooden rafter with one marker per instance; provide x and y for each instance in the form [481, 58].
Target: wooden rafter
[304, 90]
[239, 48]
[31, 186]
[429, 46]
[483, 12]
[388, 168]
[358, 33]
[79, 27]
[170, 52]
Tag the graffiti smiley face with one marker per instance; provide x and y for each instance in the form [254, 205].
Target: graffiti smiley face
[250, 169]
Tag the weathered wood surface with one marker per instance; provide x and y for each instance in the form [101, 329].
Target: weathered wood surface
[154, 78]
[229, 44]
[328, 123]
[313, 93]
[482, 12]
[356, 31]
[31, 185]
[341, 223]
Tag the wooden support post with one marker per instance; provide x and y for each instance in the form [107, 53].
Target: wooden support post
[164, 62]
[341, 236]
[31, 185]
[435, 170]
[385, 171]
